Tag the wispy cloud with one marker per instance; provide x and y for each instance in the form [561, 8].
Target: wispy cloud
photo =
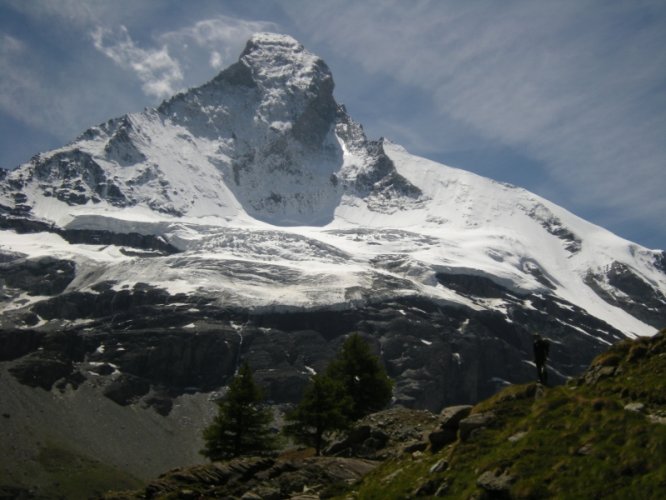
[74, 11]
[221, 37]
[80, 14]
[159, 73]
[16, 83]
[23, 96]
[160, 67]
[55, 98]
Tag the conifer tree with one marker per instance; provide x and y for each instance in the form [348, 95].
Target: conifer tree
[323, 408]
[242, 425]
[363, 377]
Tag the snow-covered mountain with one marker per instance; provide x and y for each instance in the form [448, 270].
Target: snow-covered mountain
[252, 217]
[260, 168]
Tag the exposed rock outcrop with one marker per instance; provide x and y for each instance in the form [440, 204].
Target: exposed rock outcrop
[385, 434]
[621, 286]
[257, 478]
[447, 432]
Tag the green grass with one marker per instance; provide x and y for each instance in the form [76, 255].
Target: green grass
[578, 441]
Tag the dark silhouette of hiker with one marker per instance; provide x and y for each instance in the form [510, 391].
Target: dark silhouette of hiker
[540, 355]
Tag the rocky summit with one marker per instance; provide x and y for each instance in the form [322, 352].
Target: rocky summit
[252, 219]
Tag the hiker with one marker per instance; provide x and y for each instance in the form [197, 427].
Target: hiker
[540, 354]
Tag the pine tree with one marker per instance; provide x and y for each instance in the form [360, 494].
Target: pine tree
[323, 408]
[242, 424]
[363, 377]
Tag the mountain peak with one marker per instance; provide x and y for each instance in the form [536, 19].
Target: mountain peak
[273, 42]
[282, 86]
[280, 61]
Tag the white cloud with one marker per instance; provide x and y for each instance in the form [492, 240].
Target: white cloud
[221, 37]
[216, 61]
[159, 73]
[219, 31]
[160, 69]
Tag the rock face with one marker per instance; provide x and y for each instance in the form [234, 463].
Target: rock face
[274, 112]
[43, 276]
[621, 286]
[77, 179]
[143, 340]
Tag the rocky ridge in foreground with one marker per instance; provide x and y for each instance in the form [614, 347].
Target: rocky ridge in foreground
[601, 435]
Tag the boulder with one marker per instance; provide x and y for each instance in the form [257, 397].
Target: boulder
[514, 438]
[439, 466]
[635, 407]
[440, 438]
[598, 372]
[496, 482]
[451, 416]
[416, 446]
[473, 422]
[361, 441]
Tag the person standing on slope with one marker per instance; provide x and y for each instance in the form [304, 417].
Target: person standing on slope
[541, 347]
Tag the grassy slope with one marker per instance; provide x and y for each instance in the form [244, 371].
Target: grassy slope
[579, 441]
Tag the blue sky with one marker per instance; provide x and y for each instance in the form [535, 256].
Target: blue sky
[566, 98]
